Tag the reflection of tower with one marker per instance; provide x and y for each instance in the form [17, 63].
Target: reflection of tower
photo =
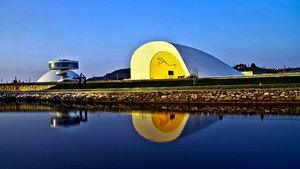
[62, 66]
[66, 119]
[166, 127]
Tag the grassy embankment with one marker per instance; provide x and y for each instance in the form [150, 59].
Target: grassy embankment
[275, 81]
[185, 84]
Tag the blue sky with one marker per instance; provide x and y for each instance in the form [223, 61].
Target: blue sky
[102, 34]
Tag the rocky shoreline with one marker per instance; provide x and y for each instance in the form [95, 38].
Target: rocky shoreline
[247, 96]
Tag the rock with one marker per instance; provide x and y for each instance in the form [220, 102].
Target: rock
[163, 96]
[227, 99]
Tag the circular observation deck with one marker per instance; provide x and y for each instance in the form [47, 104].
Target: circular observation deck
[63, 64]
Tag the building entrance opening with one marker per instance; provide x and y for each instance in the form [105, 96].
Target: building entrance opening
[164, 65]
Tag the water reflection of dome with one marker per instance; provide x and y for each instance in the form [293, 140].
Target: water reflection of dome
[64, 119]
[167, 127]
[161, 127]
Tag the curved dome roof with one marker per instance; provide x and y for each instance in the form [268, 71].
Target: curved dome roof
[51, 76]
[191, 60]
[206, 64]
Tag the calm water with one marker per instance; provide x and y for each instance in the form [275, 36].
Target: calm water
[145, 139]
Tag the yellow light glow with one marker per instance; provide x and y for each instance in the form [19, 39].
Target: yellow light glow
[143, 56]
[167, 122]
[165, 65]
[247, 73]
[159, 127]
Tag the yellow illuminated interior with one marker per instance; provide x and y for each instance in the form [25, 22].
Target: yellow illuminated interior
[164, 65]
[167, 122]
[141, 60]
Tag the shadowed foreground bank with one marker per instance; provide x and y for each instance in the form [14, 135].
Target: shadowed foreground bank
[128, 107]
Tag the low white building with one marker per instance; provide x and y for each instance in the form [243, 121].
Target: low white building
[60, 70]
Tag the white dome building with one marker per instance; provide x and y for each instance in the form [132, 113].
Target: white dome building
[164, 60]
